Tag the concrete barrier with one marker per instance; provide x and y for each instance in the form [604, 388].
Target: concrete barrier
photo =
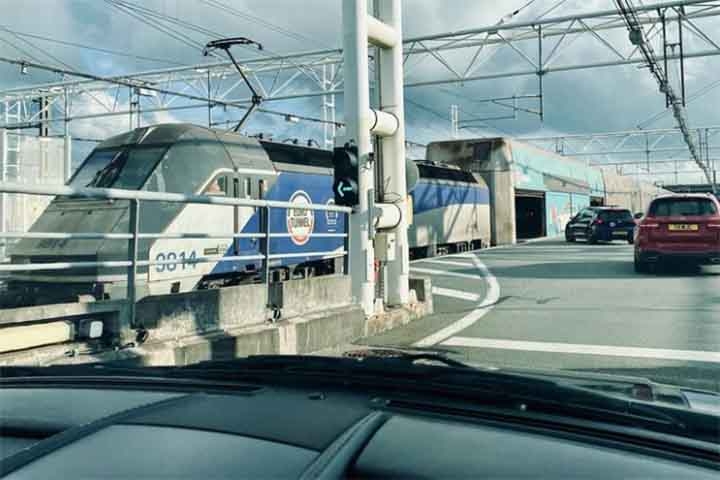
[203, 311]
[302, 296]
[39, 313]
[232, 322]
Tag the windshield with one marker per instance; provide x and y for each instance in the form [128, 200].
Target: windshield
[615, 215]
[515, 185]
[97, 161]
[126, 169]
[682, 207]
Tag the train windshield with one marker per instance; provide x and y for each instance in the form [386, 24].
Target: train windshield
[98, 160]
[118, 168]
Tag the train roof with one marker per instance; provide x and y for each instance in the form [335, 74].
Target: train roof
[252, 152]
[241, 148]
[163, 133]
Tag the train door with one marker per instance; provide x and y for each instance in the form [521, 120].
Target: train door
[529, 214]
[246, 219]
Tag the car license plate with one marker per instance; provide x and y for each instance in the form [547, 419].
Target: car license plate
[620, 234]
[682, 227]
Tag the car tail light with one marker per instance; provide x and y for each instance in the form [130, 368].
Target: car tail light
[598, 221]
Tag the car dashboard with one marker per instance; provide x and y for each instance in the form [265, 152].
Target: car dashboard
[130, 430]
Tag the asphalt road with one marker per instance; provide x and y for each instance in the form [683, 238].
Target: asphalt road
[553, 305]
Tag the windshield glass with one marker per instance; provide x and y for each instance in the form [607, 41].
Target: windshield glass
[98, 160]
[129, 170]
[438, 195]
[682, 207]
[615, 215]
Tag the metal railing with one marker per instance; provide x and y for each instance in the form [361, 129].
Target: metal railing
[134, 235]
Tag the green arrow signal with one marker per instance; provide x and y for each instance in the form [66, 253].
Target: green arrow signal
[342, 188]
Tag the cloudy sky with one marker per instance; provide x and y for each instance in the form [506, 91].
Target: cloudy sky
[581, 101]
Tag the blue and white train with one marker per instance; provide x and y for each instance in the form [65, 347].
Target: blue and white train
[450, 207]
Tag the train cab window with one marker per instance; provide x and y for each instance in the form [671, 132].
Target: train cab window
[219, 186]
[139, 164]
[126, 169]
[187, 166]
[247, 188]
[262, 189]
[97, 161]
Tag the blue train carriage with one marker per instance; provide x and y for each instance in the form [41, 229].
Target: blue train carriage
[262, 171]
[304, 176]
[451, 211]
[179, 158]
[451, 214]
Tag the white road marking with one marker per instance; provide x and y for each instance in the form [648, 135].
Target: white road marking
[449, 263]
[583, 349]
[492, 296]
[459, 294]
[432, 271]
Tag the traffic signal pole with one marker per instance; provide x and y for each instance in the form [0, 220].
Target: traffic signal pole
[357, 131]
[359, 30]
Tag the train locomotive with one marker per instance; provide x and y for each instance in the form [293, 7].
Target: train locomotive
[450, 213]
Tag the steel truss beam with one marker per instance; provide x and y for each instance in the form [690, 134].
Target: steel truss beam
[300, 75]
[647, 148]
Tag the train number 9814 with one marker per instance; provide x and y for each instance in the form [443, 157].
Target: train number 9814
[180, 260]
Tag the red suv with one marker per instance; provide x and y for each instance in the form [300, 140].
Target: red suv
[679, 227]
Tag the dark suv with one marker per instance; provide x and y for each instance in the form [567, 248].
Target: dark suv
[601, 224]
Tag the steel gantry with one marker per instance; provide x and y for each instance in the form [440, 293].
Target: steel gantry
[638, 151]
[537, 44]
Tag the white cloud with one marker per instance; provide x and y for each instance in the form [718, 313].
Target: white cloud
[102, 127]
[597, 100]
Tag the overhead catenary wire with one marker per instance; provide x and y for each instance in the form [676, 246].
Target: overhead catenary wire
[472, 65]
[167, 18]
[21, 50]
[265, 23]
[133, 12]
[629, 15]
[551, 9]
[90, 47]
[42, 50]
[139, 12]
[704, 90]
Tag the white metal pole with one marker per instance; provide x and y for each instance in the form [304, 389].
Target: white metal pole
[67, 154]
[357, 107]
[67, 147]
[454, 121]
[326, 140]
[393, 151]
[3, 176]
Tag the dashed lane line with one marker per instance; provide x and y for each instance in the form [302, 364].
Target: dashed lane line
[458, 294]
[491, 298]
[585, 349]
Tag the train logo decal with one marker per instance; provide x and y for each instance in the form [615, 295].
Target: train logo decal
[300, 221]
